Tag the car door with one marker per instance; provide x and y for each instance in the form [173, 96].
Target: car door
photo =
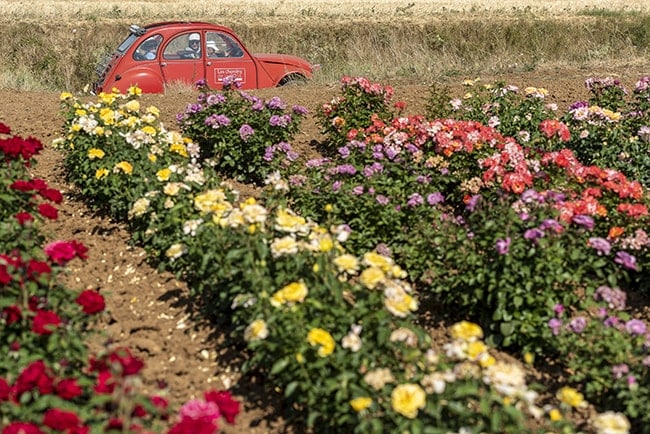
[179, 63]
[226, 57]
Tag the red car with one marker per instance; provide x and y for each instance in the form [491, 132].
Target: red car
[161, 54]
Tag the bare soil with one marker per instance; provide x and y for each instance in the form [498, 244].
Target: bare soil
[147, 311]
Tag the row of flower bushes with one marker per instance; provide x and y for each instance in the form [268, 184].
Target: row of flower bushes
[310, 278]
[49, 382]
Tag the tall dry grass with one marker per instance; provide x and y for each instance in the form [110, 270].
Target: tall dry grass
[55, 45]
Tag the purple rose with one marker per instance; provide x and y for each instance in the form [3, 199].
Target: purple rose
[555, 325]
[414, 200]
[473, 202]
[635, 327]
[602, 246]
[626, 260]
[584, 220]
[246, 132]
[503, 245]
[578, 324]
[533, 234]
[435, 198]
[276, 103]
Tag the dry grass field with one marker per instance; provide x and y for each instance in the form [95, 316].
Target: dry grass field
[305, 9]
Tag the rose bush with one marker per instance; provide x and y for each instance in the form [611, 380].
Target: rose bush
[238, 132]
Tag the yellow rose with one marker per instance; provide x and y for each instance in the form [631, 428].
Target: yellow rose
[256, 330]
[570, 396]
[100, 173]
[163, 174]
[318, 336]
[466, 331]
[95, 153]
[125, 167]
[407, 399]
[555, 415]
[371, 277]
[295, 292]
[361, 403]
[133, 106]
[347, 263]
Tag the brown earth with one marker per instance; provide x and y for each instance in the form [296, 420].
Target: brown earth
[146, 310]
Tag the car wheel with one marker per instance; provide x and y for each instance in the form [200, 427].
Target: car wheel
[292, 80]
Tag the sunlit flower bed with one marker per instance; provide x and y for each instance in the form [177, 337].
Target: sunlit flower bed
[319, 279]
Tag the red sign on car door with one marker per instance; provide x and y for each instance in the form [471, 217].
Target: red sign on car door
[225, 57]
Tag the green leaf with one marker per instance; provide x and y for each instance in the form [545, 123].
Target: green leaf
[279, 366]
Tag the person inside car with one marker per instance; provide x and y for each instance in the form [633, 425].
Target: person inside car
[193, 51]
[212, 50]
[148, 49]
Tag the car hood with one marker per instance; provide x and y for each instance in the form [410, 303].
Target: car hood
[286, 59]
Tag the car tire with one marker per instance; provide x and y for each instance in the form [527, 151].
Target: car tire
[292, 80]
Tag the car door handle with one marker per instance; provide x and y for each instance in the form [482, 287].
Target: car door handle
[208, 63]
[163, 63]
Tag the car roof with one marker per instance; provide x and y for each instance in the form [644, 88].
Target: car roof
[181, 24]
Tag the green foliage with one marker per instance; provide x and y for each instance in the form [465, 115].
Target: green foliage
[606, 352]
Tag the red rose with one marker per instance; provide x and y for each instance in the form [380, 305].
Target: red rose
[5, 390]
[4, 129]
[60, 420]
[24, 218]
[52, 195]
[21, 428]
[228, 407]
[4, 276]
[194, 426]
[35, 375]
[68, 389]
[160, 403]
[36, 268]
[22, 185]
[60, 252]
[114, 424]
[48, 211]
[139, 411]
[39, 184]
[105, 383]
[12, 314]
[45, 321]
[91, 301]
[128, 364]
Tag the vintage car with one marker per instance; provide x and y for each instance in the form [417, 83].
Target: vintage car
[157, 55]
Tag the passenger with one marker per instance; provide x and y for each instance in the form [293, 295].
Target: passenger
[212, 49]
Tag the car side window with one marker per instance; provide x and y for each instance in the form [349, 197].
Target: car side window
[222, 45]
[148, 49]
[185, 46]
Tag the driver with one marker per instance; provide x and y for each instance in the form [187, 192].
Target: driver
[194, 46]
